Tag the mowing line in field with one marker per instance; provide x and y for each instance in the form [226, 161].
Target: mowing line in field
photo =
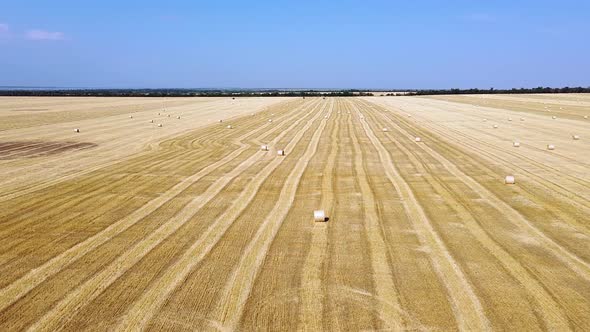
[312, 292]
[466, 305]
[145, 308]
[551, 313]
[390, 310]
[17, 289]
[523, 221]
[93, 287]
[240, 284]
[86, 170]
[575, 263]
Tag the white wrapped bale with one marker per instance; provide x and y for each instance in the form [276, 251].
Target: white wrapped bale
[554, 117]
[516, 144]
[418, 139]
[576, 137]
[495, 126]
[509, 179]
[550, 147]
[264, 147]
[385, 129]
[230, 127]
[281, 152]
[159, 125]
[319, 216]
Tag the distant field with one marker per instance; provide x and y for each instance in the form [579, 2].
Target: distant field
[192, 226]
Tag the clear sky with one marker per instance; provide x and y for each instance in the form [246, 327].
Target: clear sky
[295, 44]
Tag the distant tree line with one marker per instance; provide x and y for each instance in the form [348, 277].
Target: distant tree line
[498, 91]
[179, 93]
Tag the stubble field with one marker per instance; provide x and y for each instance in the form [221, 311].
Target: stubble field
[191, 226]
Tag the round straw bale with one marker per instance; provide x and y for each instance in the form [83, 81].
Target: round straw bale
[319, 216]
[550, 147]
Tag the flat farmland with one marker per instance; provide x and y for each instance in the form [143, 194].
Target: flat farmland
[126, 225]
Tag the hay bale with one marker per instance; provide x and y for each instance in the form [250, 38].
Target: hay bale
[385, 129]
[485, 120]
[220, 121]
[550, 147]
[168, 115]
[576, 137]
[178, 117]
[131, 117]
[585, 117]
[281, 152]
[229, 127]
[418, 139]
[554, 117]
[495, 126]
[319, 216]
[509, 179]
[159, 125]
[264, 147]
[509, 119]
[151, 121]
[269, 120]
[76, 130]
[409, 115]
[521, 119]
[516, 144]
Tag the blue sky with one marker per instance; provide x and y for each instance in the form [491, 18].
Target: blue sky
[295, 44]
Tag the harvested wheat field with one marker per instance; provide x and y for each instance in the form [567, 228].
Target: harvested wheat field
[200, 224]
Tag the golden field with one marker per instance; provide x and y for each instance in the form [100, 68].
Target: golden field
[126, 225]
